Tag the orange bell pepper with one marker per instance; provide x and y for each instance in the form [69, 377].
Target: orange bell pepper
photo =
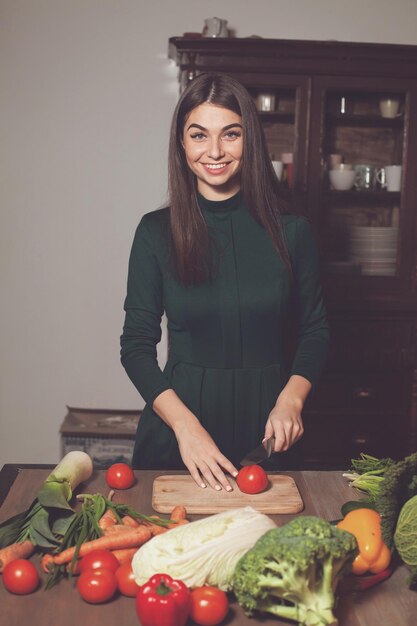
[365, 524]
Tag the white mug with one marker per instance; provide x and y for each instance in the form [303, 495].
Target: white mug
[342, 166]
[389, 107]
[265, 102]
[215, 27]
[381, 178]
[393, 177]
[278, 168]
[342, 180]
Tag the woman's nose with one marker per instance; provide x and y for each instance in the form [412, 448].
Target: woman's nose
[215, 150]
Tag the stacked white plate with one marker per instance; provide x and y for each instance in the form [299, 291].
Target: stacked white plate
[375, 249]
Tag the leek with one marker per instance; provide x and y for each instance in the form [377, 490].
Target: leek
[45, 522]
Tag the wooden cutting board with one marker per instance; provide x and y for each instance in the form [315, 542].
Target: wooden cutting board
[282, 496]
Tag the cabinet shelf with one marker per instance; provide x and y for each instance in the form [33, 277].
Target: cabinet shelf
[274, 117]
[356, 196]
[367, 121]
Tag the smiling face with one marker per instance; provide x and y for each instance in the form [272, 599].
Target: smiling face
[213, 145]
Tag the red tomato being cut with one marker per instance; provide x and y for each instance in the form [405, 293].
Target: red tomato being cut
[120, 476]
[98, 559]
[209, 606]
[252, 479]
[97, 585]
[126, 580]
[20, 576]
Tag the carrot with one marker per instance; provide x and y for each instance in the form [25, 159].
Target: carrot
[124, 555]
[107, 519]
[116, 528]
[180, 522]
[128, 520]
[117, 541]
[178, 513]
[47, 562]
[157, 530]
[21, 550]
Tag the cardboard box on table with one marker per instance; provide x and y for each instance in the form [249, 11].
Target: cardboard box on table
[108, 436]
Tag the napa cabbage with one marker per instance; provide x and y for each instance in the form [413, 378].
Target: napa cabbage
[405, 538]
[204, 552]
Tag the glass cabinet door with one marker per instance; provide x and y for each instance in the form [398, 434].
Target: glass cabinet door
[358, 178]
[282, 103]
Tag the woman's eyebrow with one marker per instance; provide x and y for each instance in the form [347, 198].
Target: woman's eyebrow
[194, 125]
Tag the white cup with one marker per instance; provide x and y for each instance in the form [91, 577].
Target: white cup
[215, 27]
[393, 177]
[265, 102]
[343, 166]
[389, 107]
[342, 180]
[278, 168]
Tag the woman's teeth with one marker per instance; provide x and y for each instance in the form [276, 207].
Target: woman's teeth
[215, 166]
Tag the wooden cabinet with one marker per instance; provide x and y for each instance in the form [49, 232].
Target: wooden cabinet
[323, 99]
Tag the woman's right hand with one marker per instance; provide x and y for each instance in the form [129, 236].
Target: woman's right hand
[199, 452]
[202, 457]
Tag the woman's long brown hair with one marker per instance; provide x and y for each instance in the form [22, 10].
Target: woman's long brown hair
[260, 187]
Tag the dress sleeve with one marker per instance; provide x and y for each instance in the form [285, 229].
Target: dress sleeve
[313, 330]
[144, 308]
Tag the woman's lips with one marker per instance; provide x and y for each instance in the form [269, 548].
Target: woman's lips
[215, 168]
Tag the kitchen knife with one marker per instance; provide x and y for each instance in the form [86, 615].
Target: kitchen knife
[260, 453]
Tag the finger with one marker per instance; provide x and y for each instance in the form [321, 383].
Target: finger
[280, 439]
[269, 430]
[227, 466]
[299, 432]
[221, 478]
[293, 434]
[209, 477]
[223, 464]
[195, 475]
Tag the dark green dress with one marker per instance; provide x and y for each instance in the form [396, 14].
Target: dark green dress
[226, 337]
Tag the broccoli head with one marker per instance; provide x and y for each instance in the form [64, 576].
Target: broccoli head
[293, 571]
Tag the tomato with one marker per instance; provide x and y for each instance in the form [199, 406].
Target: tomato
[120, 476]
[20, 576]
[97, 585]
[209, 606]
[99, 559]
[252, 479]
[126, 580]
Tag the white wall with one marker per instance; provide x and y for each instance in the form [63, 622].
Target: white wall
[86, 96]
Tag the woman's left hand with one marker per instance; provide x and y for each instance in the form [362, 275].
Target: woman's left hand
[284, 421]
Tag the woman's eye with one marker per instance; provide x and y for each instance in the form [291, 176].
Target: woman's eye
[233, 134]
[197, 136]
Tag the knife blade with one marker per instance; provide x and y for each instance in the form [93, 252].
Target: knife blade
[260, 453]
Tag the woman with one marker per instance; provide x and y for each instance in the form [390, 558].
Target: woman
[230, 270]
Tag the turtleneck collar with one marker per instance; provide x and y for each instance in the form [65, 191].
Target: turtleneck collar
[220, 206]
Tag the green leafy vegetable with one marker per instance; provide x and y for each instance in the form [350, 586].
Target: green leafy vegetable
[46, 520]
[84, 526]
[405, 538]
[203, 552]
[293, 571]
[368, 463]
[368, 483]
[399, 484]
[388, 485]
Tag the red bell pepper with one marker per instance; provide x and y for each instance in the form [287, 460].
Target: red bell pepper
[163, 601]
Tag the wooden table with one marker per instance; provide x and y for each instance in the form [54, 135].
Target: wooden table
[389, 604]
